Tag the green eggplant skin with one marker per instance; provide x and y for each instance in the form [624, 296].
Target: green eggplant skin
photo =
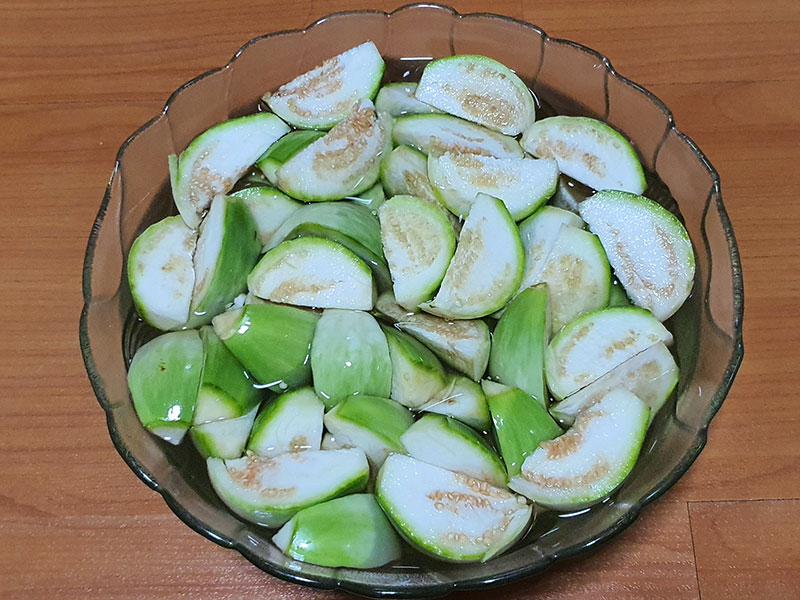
[224, 377]
[350, 531]
[520, 424]
[349, 355]
[519, 341]
[251, 331]
[417, 374]
[238, 253]
[164, 378]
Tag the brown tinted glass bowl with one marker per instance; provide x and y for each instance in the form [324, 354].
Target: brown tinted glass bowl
[571, 78]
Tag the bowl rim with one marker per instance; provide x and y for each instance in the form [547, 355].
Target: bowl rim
[438, 589]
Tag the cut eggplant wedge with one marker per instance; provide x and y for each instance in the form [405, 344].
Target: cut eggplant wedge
[417, 375]
[226, 391]
[450, 516]
[587, 150]
[538, 233]
[371, 423]
[437, 134]
[269, 491]
[519, 342]
[487, 266]
[343, 163]
[587, 463]
[617, 295]
[339, 442]
[323, 96]
[648, 247]
[398, 100]
[523, 184]
[462, 344]
[349, 355]
[269, 209]
[651, 375]
[371, 198]
[445, 442]
[225, 438]
[315, 272]
[291, 422]
[405, 173]
[479, 89]
[227, 249]
[344, 532]
[418, 242]
[577, 275]
[595, 343]
[249, 330]
[284, 149]
[215, 159]
[462, 399]
[163, 378]
[349, 223]
[520, 423]
[161, 273]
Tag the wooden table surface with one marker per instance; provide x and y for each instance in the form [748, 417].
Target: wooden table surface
[76, 78]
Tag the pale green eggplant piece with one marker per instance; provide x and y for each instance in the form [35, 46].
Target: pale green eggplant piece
[417, 375]
[284, 149]
[343, 163]
[462, 399]
[447, 443]
[397, 99]
[651, 375]
[595, 343]
[486, 268]
[617, 295]
[371, 423]
[647, 245]
[479, 89]
[291, 422]
[520, 423]
[227, 249]
[418, 241]
[519, 341]
[437, 134]
[226, 391]
[163, 378]
[315, 272]
[224, 438]
[248, 331]
[462, 344]
[538, 234]
[577, 275]
[349, 355]
[351, 531]
[348, 223]
[323, 96]
[161, 273]
[447, 515]
[587, 463]
[587, 150]
[523, 184]
[269, 491]
[269, 209]
[218, 157]
[371, 198]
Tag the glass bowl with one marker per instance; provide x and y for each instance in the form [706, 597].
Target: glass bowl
[573, 79]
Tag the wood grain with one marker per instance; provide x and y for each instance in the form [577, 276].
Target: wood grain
[747, 549]
[76, 78]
